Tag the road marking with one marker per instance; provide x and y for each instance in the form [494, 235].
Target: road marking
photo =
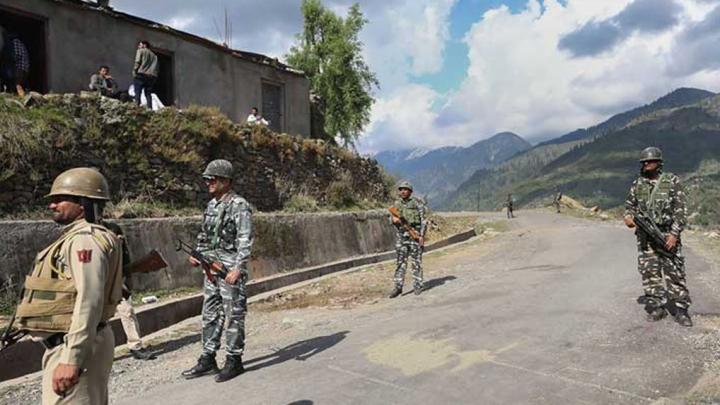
[371, 379]
[572, 381]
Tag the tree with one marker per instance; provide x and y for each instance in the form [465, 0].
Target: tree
[329, 52]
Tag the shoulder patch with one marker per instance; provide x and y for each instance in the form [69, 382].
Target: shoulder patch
[84, 255]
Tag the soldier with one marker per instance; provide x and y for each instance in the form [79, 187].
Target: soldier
[72, 291]
[509, 205]
[557, 199]
[225, 236]
[413, 210]
[125, 310]
[660, 195]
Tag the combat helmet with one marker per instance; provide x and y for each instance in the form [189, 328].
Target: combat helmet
[219, 168]
[81, 182]
[405, 184]
[651, 153]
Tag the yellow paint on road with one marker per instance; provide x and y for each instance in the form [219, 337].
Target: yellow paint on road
[413, 356]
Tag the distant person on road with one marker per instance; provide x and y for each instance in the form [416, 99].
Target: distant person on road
[509, 205]
[661, 197]
[255, 118]
[145, 72]
[14, 63]
[226, 236]
[557, 199]
[413, 211]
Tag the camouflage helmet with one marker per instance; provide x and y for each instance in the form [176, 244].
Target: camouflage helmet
[405, 184]
[219, 168]
[81, 182]
[651, 153]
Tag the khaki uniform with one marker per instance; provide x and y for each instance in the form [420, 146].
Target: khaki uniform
[130, 324]
[73, 290]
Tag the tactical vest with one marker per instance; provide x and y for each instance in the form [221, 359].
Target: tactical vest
[409, 210]
[49, 295]
[655, 200]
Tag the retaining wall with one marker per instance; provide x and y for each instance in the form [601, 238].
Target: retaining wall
[282, 242]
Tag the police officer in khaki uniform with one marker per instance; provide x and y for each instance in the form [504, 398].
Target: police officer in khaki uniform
[73, 290]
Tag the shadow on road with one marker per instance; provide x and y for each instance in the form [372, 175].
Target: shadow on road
[302, 402]
[436, 282]
[170, 345]
[298, 351]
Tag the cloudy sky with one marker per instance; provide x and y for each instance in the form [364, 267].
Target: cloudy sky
[453, 72]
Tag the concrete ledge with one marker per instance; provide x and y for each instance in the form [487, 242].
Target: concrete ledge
[25, 357]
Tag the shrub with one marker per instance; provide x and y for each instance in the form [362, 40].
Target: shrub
[341, 193]
[301, 203]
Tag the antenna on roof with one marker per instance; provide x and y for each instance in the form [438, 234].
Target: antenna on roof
[226, 36]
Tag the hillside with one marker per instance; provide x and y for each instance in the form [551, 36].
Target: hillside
[600, 172]
[524, 174]
[437, 173]
[676, 98]
[157, 157]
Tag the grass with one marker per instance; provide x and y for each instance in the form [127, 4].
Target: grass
[152, 160]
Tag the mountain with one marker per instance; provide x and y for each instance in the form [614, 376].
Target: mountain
[437, 173]
[676, 98]
[529, 174]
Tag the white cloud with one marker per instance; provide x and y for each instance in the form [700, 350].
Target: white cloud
[519, 80]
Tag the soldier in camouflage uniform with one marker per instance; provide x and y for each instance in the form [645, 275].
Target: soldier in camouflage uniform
[509, 205]
[557, 199]
[660, 195]
[226, 236]
[413, 210]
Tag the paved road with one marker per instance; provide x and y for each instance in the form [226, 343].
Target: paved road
[548, 317]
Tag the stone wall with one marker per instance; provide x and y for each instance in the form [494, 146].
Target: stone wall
[157, 157]
[283, 242]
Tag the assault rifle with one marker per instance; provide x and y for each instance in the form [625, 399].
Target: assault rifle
[11, 336]
[414, 234]
[653, 235]
[211, 268]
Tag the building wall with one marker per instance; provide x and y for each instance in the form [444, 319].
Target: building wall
[79, 40]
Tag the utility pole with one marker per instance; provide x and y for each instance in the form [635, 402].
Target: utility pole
[478, 201]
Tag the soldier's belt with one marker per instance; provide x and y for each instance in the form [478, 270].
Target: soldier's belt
[56, 339]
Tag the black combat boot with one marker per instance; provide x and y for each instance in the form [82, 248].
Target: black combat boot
[656, 314]
[206, 365]
[682, 317]
[418, 289]
[233, 367]
[143, 354]
[397, 291]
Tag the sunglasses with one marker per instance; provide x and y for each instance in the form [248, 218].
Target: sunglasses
[210, 179]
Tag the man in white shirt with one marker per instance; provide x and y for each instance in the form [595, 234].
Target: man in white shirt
[255, 118]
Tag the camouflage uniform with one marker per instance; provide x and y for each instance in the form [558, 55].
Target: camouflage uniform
[414, 211]
[556, 201]
[509, 205]
[226, 236]
[663, 279]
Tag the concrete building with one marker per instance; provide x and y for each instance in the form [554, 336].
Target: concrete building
[69, 39]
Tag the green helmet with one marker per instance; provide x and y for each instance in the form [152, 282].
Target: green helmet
[81, 182]
[405, 184]
[651, 153]
[219, 168]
